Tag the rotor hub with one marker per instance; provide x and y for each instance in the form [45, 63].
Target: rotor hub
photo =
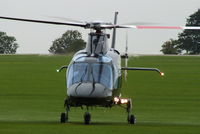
[98, 25]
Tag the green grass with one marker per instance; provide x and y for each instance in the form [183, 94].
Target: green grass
[32, 95]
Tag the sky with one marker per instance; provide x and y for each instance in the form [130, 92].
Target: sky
[37, 38]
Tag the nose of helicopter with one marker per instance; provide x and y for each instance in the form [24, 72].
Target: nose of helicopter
[89, 90]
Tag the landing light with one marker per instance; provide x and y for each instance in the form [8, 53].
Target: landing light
[58, 70]
[120, 100]
[116, 100]
[124, 101]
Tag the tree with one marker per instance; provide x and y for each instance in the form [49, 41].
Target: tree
[189, 40]
[8, 44]
[70, 42]
[170, 47]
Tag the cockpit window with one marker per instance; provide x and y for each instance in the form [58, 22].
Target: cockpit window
[102, 73]
[77, 73]
[93, 72]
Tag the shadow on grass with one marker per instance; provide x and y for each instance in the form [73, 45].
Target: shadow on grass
[67, 123]
[95, 123]
[29, 122]
[99, 123]
[142, 124]
[167, 124]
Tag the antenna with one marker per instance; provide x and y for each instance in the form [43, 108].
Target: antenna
[114, 31]
[126, 57]
[126, 49]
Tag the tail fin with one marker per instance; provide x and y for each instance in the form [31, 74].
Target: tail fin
[114, 31]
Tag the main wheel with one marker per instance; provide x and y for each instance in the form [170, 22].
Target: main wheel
[131, 119]
[87, 118]
[63, 118]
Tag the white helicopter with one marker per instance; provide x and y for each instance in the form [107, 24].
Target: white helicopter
[94, 75]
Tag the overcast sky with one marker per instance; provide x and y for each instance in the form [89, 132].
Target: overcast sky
[37, 38]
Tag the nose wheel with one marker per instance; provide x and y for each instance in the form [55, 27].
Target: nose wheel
[87, 118]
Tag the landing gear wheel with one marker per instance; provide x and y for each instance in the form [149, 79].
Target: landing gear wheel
[63, 118]
[131, 119]
[87, 118]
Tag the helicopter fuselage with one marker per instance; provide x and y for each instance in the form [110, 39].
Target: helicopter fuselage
[94, 79]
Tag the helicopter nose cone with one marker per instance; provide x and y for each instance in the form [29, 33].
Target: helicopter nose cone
[88, 90]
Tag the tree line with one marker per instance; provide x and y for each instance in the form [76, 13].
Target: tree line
[70, 42]
[188, 41]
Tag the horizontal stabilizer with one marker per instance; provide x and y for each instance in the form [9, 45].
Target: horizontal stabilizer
[143, 69]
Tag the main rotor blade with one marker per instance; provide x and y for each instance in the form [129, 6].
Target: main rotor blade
[101, 26]
[45, 22]
[66, 19]
[192, 27]
[167, 27]
[159, 27]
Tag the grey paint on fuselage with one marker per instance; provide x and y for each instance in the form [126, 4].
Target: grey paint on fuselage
[98, 76]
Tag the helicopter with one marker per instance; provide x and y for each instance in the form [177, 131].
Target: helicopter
[94, 75]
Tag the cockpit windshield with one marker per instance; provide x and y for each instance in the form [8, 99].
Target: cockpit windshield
[90, 72]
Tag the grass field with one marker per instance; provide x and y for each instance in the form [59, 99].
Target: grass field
[32, 95]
